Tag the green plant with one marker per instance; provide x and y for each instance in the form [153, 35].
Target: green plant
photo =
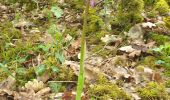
[57, 11]
[80, 82]
[164, 55]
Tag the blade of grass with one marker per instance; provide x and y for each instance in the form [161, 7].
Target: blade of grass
[80, 83]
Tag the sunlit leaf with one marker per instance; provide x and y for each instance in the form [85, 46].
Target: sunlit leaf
[57, 11]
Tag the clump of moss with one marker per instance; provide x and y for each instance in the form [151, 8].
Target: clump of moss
[167, 22]
[167, 73]
[94, 21]
[153, 91]
[151, 13]
[160, 39]
[162, 6]
[150, 2]
[24, 75]
[168, 1]
[95, 38]
[168, 84]
[104, 90]
[8, 33]
[129, 12]
[149, 61]
[121, 61]
[66, 74]
[99, 49]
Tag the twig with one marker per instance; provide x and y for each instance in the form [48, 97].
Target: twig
[62, 81]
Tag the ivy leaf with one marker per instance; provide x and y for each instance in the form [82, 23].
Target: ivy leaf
[57, 11]
[40, 70]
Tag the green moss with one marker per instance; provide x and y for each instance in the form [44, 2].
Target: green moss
[95, 38]
[129, 12]
[149, 61]
[162, 6]
[72, 31]
[153, 91]
[168, 84]
[168, 1]
[167, 22]
[8, 33]
[104, 90]
[151, 13]
[65, 74]
[160, 39]
[103, 52]
[24, 75]
[121, 61]
[47, 13]
[95, 27]
[76, 4]
[94, 21]
[167, 73]
[140, 68]
[150, 2]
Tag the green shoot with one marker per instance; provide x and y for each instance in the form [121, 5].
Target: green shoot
[80, 83]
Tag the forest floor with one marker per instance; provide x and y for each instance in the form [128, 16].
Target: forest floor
[40, 49]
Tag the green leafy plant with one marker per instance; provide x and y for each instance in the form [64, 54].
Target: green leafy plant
[57, 11]
[164, 55]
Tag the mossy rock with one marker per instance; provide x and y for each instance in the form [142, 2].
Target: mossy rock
[153, 90]
[104, 90]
